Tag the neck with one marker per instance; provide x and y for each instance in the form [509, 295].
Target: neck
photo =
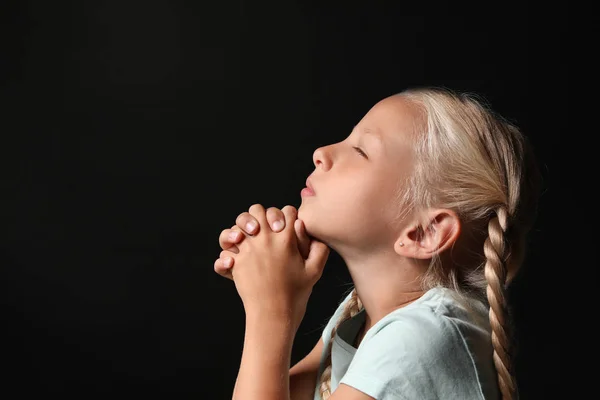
[384, 282]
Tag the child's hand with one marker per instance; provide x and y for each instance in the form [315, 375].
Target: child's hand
[230, 237]
[271, 276]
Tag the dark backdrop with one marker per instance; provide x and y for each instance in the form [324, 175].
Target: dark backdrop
[133, 132]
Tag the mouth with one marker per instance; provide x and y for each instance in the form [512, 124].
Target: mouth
[309, 185]
[308, 190]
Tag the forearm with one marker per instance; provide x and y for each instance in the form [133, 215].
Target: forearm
[266, 358]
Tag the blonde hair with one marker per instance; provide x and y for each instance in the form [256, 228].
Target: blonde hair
[475, 162]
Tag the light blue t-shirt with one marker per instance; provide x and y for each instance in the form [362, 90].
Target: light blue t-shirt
[434, 348]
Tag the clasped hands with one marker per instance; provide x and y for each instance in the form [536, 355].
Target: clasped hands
[273, 263]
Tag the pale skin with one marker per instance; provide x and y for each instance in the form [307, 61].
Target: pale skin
[354, 183]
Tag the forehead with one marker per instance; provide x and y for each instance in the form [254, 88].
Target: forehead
[388, 129]
[394, 121]
[392, 117]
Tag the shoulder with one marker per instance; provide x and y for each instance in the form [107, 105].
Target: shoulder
[421, 328]
[422, 350]
[438, 319]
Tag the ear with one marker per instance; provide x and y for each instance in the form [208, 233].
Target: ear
[442, 230]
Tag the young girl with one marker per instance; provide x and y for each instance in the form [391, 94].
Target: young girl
[429, 202]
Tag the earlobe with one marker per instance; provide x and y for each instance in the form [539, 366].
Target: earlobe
[407, 245]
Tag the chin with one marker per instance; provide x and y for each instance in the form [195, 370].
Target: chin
[313, 229]
[305, 216]
[309, 224]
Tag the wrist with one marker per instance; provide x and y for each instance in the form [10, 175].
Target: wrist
[276, 318]
[269, 332]
[269, 319]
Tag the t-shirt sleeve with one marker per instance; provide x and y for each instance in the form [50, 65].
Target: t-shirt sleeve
[415, 356]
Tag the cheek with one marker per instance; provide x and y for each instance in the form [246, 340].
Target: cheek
[372, 194]
[374, 201]
[353, 197]
[357, 206]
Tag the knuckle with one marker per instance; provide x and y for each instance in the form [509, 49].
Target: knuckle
[255, 208]
[273, 213]
[223, 239]
[290, 209]
[242, 219]
[290, 213]
[227, 244]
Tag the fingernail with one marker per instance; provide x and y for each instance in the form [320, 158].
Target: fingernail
[277, 225]
[234, 235]
[250, 226]
[227, 262]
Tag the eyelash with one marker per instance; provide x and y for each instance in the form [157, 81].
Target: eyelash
[359, 151]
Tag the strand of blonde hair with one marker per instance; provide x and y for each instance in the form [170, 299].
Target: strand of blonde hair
[495, 274]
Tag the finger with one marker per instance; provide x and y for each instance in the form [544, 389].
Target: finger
[234, 248]
[222, 268]
[317, 258]
[248, 223]
[302, 236]
[291, 214]
[228, 239]
[259, 214]
[276, 219]
[226, 254]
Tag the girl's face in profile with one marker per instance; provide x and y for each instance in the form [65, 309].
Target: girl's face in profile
[355, 180]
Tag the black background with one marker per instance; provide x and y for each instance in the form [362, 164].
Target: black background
[133, 132]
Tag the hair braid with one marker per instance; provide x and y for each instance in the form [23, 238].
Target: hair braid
[495, 274]
[351, 308]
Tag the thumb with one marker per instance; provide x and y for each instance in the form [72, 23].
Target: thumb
[317, 257]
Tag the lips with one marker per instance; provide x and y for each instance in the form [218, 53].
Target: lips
[309, 185]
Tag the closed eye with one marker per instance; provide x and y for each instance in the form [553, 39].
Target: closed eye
[359, 151]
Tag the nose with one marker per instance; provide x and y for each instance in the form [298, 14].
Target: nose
[322, 157]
